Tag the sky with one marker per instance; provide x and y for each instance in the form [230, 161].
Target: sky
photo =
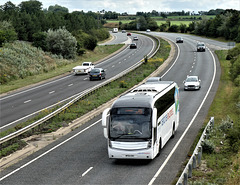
[133, 6]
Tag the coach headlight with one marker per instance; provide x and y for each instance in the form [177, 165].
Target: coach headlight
[149, 143]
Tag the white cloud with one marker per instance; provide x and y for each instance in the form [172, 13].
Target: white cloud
[134, 6]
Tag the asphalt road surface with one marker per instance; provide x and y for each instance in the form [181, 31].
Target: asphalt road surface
[80, 157]
[21, 104]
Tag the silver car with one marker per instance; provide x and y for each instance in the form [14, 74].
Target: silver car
[192, 83]
[201, 46]
[179, 40]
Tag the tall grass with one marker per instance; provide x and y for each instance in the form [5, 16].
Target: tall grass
[22, 64]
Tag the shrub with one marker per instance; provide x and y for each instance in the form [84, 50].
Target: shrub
[39, 40]
[90, 43]
[208, 146]
[61, 42]
[226, 125]
[7, 32]
[233, 137]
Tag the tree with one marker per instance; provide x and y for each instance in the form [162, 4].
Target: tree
[183, 28]
[39, 40]
[61, 42]
[7, 32]
[57, 8]
[31, 6]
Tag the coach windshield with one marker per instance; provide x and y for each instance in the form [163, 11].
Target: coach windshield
[130, 123]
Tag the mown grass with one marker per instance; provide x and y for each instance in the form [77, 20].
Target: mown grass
[93, 56]
[221, 165]
[97, 98]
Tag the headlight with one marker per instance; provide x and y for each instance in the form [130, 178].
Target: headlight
[150, 144]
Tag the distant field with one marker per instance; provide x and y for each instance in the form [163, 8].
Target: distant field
[158, 22]
[192, 17]
[175, 20]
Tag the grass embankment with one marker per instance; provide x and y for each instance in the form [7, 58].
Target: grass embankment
[221, 152]
[51, 67]
[92, 101]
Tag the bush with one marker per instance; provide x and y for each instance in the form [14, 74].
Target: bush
[208, 146]
[61, 42]
[100, 34]
[233, 137]
[39, 40]
[173, 28]
[90, 42]
[7, 33]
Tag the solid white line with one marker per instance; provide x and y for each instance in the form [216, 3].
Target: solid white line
[181, 138]
[45, 153]
[175, 59]
[87, 171]
[27, 101]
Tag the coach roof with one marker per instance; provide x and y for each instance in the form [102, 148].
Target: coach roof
[142, 96]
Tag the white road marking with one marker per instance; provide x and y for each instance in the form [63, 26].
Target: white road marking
[51, 92]
[87, 171]
[27, 101]
[45, 153]
[70, 85]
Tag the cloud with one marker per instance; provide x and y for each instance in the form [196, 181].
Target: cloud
[134, 6]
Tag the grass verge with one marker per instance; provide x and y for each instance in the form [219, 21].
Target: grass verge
[221, 152]
[95, 99]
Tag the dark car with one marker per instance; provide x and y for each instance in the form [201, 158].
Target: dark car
[129, 34]
[97, 73]
[133, 46]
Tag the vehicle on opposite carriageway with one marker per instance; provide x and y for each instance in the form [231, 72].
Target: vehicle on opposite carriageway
[85, 68]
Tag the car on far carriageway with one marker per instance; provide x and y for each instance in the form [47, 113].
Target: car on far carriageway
[129, 34]
[179, 40]
[133, 46]
[135, 38]
[97, 74]
[192, 83]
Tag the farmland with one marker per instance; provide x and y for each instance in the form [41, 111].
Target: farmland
[175, 20]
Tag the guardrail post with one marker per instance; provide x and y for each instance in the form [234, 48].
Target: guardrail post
[194, 163]
[212, 121]
[199, 154]
[185, 178]
[190, 171]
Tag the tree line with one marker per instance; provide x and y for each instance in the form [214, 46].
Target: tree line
[226, 25]
[30, 22]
